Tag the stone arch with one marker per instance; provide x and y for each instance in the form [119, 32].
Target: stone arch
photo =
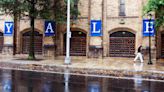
[28, 29]
[122, 42]
[78, 42]
[1, 31]
[75, 29]
[25, 41]
[121, 29]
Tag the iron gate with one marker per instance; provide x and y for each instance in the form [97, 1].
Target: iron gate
[37, 43]
[122, 44]
[77, 44]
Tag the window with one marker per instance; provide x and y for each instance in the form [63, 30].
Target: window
[122, 8]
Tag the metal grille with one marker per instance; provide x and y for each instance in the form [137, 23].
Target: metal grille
[37, 44]
[122, 46]
[162, 45]
[1, 43]
[77, 44]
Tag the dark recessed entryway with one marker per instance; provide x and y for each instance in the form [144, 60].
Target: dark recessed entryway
[77, 43]
[1, 41]
[162, 45]
[37, 42]
[121, 44]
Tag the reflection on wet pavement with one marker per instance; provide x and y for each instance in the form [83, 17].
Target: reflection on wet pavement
[20, 81]
[138, 66]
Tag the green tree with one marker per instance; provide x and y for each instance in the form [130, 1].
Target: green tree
[60, 10]
[31, 8]
[46, 9]
[156, 6]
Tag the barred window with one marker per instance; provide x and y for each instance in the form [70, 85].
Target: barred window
[122, 8]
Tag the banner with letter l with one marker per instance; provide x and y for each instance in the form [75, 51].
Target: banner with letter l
[95, 28]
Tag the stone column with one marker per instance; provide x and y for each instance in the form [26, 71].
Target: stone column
[8, 38]
[145, 40]
[104, 20]
[8, 45]
[95, 43]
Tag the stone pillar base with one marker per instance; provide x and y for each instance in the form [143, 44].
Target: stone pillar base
[49, 51]
[95, 52]
[7, 50]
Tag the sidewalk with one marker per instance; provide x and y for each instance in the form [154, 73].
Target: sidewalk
[117, 67]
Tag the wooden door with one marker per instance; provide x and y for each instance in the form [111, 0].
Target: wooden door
[77, 44]
[122, 44]
[37, 43]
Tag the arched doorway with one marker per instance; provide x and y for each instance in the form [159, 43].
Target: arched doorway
[77, 43]
[1, 41]
[37, 42]
[122, 44]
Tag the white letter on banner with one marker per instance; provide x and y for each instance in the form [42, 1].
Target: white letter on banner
[94, 28]
[8, 25]
[49, 27]
[148, 27]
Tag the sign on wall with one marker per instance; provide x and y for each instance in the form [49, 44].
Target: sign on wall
[95, 28]
[148, 27]
[49, 28]
[8, 30]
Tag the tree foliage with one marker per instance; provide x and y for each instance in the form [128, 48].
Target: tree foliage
[31, 8]
[156, 6]
[46, 9]
[60, 10]
[23, 7]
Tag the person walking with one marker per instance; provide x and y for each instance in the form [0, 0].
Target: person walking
[139, 54]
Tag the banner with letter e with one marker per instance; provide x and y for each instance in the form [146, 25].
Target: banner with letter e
[148, 27]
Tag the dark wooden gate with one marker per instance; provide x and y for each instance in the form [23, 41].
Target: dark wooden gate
[122, 44]
[1, 42]
[37, 43]
[162, 45]
[77, 44]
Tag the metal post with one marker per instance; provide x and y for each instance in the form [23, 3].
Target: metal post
[150, 62]
[67, 58]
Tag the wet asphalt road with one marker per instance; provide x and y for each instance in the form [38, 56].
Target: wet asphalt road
[21, 81]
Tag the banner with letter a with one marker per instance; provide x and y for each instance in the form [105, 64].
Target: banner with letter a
[49, 28]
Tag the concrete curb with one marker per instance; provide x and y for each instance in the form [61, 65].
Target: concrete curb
[155, 75]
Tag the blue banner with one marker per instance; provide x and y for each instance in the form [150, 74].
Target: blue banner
[95, 28]
[49, 28]
[148, 27]
[8, 29]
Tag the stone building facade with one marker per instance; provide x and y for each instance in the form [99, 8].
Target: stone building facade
[121, 32]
